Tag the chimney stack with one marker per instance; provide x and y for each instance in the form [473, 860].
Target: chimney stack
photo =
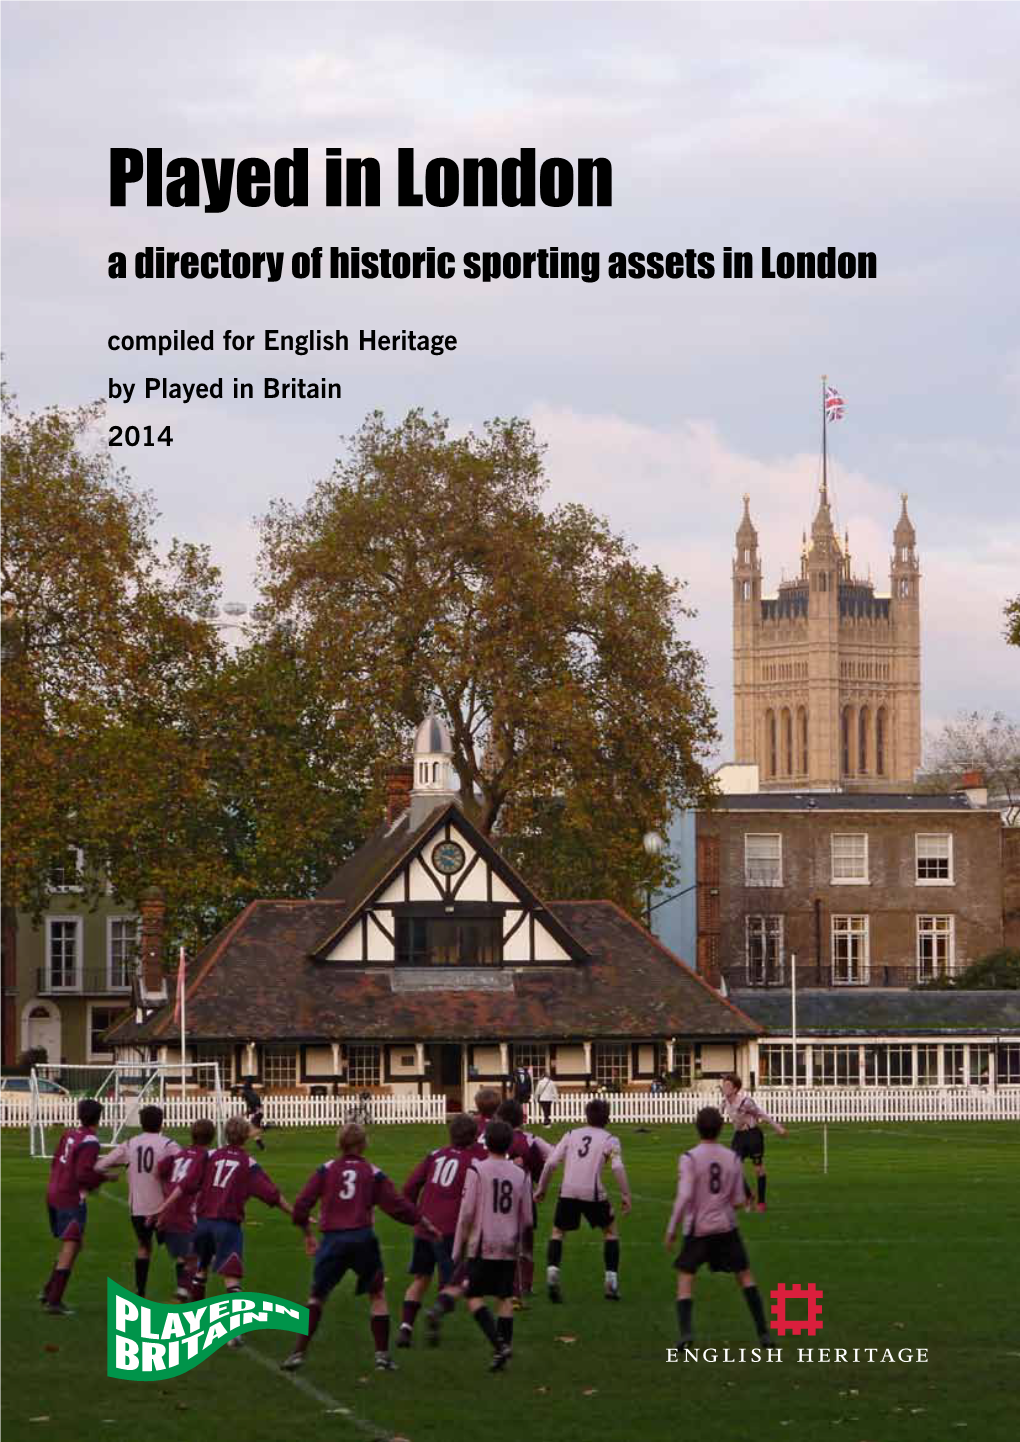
[152, 980]
[399, 780]
[972, 784]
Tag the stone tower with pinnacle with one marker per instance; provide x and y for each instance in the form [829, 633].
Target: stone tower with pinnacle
[827, 672]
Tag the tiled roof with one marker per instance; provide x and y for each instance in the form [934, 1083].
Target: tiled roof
[873, 1011]
[257, 981]
[840, 801]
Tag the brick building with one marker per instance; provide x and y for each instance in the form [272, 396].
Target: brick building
[876, 890]
[69, 973]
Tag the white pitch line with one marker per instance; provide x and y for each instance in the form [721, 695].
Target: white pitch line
[318, 1394]
[333, 1404]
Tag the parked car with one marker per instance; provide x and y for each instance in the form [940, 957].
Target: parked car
[23, 1084]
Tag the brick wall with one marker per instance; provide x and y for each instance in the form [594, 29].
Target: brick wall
[1011, 885]
[808, 899]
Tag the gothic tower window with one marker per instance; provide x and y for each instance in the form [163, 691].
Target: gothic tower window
[787, 743]
[802, 732]
[771, 742]
[880, 728]
[862, 741]
[847, 739]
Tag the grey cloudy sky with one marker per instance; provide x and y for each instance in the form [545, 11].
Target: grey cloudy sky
[892, 128]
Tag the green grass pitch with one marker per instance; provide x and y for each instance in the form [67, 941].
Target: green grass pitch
[912, 1237]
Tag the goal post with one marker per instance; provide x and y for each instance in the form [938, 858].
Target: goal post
[124, 1088]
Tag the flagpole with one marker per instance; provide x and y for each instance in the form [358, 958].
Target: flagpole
[793, 1010]
[182, 985]
[825, 447]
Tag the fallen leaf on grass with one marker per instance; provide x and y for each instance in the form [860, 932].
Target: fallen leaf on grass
[50, 1347]
[39, 1419]
[543, 1391]
[589, 1392]
[568, 1341]
[338, 1411]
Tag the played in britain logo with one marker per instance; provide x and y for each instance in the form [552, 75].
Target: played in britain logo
[147, 1341]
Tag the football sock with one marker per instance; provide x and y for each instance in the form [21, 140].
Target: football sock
[505, 1330]
[753, 1298]
[445, 1303]
[611, 1254]
[685, 1311]
[411, 1310]
[526, 1273]
[49, 1284]
[381, 1332]
[197, 1286]
[314, 1318]
[485, 1320]
[58, 1282]
[554, 1251]
[747, 1191]
[761, 1190]
[182, 1276]
[141, 1274]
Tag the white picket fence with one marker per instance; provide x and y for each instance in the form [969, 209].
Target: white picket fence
[786, 1104]
[280, 1111]
[815, 1104]
[303, 1111]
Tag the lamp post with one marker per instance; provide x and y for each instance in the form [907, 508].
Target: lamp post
[654, 846]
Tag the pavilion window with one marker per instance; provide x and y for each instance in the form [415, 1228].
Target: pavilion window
[449, 940]
[611, 1063]
[363, 1066]
[279, 1066]
[531, 1054]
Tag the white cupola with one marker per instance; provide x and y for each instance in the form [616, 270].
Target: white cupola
[434, 779]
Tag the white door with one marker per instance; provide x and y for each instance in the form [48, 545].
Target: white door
[43, 1030]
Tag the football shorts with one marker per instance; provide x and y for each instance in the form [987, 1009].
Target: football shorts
[354, 1251]
[220, 1243]
[570, 1210]
[491, 1277]
[68, 1223]
[427, 1255]
[749, 1145]
[721, 1252]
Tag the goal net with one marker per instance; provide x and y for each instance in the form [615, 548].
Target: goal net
[124, 1089]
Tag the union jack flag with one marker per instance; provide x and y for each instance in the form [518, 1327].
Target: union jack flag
[835, 405]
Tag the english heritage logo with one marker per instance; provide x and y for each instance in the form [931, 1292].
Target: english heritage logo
[810, 1324]
[147, 1341]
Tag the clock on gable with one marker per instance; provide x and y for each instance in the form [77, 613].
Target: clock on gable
[448, 857]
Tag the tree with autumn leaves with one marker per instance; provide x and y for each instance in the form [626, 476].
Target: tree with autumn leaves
[101, 638]
[424, 573]
[129, 730]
